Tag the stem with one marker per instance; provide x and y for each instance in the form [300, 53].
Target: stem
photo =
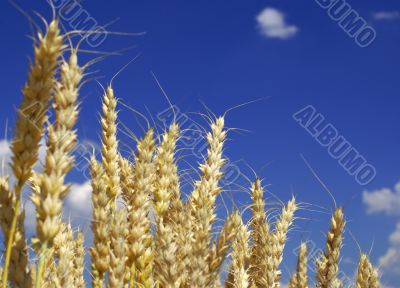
[40, 271]
[11, 240]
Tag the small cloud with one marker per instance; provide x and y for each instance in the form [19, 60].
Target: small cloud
[390, 262]
[386, 15]
[272, 24]
[79, 198]
[384, 200]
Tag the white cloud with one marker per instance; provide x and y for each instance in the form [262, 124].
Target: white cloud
[387, 201]
[390, 262]
[383, 200]
[78, 206]
[386, 15]
[272, 24]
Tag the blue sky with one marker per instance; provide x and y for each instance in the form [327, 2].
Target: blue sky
[224, 54]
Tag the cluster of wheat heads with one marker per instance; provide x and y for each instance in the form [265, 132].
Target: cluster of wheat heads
[156, 239]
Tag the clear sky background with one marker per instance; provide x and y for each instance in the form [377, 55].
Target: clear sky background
[223, 53]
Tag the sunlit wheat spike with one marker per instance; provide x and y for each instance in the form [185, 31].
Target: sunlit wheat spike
[25, 144]
[327, 264]
[202, 202]
[64, 248]
[299, 279]
[261, 250]
[279, 237]
[118, 250]
[79, 261]
[220, 249]
[140, 239]
[61, 141]
[367, 276]
[110, 153]
[101, 214]
[166, 185]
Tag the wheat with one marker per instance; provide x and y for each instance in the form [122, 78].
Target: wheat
[157, 238]
[64, 250]
[79, 261]
[28, 132]
[367, 276]
[118, 251]
[202, 203]
[219, 250]
[166, 267]
[110, 154]
[99, 252]
[140, 240]
[299, 279]
[327, 264]
[261, 250]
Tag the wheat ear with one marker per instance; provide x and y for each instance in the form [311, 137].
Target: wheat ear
[327, 264]
[166, 267]
[79, 261]
[118, 250]
[29, 130]
[19, 272]
[51, 187]
[261, 249]
[367, 276]
[299, 278]
[279, 238]
[64, 250]
[202, 202]
[219, 251]
[238, 276]
[110, 146]
[140, 240]
[99, 252]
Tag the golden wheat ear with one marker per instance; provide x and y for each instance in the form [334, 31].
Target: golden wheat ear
[101, 214]
[328, 263]
[110, 153]
[219, 251]
[116, 276]
[166, 187]
[140, 240]
[299, 279]
[367, 276]
[260, 234]
[202, 205]
[25, 145]
[238, 276]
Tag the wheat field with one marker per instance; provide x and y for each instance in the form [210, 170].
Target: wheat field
[157, 238]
